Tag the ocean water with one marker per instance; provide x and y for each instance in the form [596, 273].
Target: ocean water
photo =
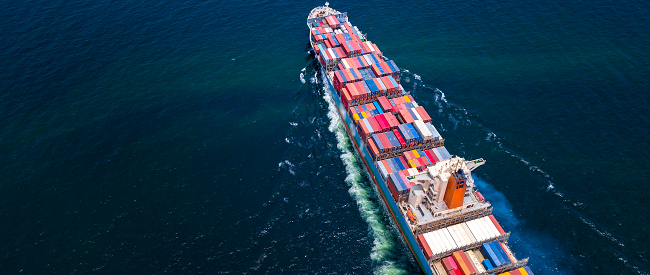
[197, 137]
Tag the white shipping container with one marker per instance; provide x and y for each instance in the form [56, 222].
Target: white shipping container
[417, 115]
[469, 232]
[475, 230]
[488, 223]
[477, 264]
[432, 244]
[345, 64]
[457, 240]
[422, 129]
[445, 231]
[483, 226]
[460, 229]
[442, 238]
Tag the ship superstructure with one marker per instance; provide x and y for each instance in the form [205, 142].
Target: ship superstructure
[430, 194]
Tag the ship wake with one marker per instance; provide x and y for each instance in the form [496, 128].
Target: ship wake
[383, 241]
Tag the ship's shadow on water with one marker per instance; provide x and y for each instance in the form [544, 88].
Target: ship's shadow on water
[544, 251]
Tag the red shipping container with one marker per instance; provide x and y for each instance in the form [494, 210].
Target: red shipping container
[431, 156]
[346, 48]
[340, 66]
[362, 90]
[424, 161]
[340, 52]
[373, 148]
[387, 167]
[425, 247]
[365, 132]
[374, 124]
[469, 264]
[385, 142]
[365, 49]
[497, 225]
[346, 98]
[405, 116]
[449, 263]
[382, 123]
[406, 156]
[384, 103]
[423, 113]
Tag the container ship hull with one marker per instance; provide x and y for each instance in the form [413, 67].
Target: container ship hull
[376, 178]
[430, 195]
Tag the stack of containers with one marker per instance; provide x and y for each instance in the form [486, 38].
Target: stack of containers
[397, 186]
[475, 261]
[434, 131]
[391, 85]
[411, 136]
[423, 114]
[332, 21]
[463, 263]
[437, 154]
[385, 104]
[342, 77]
[494, 252]
[424, 131]
[391, 165]
[450, 265]
[399, 136]
[380, 68]
[400, 102]
[356, 93]
[368, 47]
[405, 116]
[416, 158]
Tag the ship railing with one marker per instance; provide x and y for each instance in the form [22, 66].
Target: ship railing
[453, 218]
[398, 152]
[506, 267]
[501, 238]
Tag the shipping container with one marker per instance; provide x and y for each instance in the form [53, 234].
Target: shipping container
[436, 248]
[476, 230]
[494, 221]
[530, 272]
[487, 265]
[425, 246]
[490, 255]
[449, 263]
[490, 225]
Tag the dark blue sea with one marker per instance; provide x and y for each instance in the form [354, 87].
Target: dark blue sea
[196, 137]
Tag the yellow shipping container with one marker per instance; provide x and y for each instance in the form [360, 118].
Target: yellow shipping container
[415, 153]
[364, 114]
[356, 117]
[406, 98]
[412, 164]
[523, 271]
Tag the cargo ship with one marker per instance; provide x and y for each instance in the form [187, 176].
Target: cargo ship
[430, 195]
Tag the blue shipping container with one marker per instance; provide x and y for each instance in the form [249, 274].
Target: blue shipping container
[487, 265]
[489, 254]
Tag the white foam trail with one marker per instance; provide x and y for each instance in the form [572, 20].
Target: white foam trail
[362, 194]
[302, 78]
[314, 79]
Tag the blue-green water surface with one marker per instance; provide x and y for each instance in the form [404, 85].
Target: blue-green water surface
[195, 137]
